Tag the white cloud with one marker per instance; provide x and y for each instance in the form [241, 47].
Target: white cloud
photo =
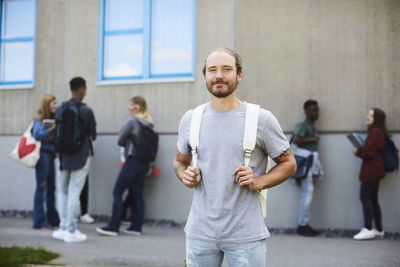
[121, 69]
[134, 51]
[162, 54]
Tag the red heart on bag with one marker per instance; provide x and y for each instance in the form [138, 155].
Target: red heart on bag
[24, 149]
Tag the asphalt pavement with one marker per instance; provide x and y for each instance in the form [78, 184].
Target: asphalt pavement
[165, 246]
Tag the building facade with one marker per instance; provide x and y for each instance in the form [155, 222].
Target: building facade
[342, 53]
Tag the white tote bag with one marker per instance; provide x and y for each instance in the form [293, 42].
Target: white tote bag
[27, 150]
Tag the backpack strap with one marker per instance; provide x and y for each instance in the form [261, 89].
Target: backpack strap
[250, 131]
[249, 143]
[194, 137]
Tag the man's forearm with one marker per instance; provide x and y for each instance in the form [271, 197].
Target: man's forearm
[302, 141]
[278, 174]
[179, 168]
[284, 168]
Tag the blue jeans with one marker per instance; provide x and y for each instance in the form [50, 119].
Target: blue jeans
[69, 185]
[133, 175]
[306, 195]
[43, 199]
[201, 253]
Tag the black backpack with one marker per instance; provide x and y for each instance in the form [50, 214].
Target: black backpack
[146, 145]
[69, 132]
[390, 158]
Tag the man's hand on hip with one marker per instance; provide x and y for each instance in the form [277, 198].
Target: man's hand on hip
[245, 177]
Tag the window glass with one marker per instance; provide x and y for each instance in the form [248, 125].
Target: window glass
[18, 18]
[17, 61]
[17, 44]
[172, 37]
[144, 39]
[123, 56]
[123, 14]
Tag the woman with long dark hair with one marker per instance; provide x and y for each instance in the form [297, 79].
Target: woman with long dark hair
[45, 216]
[372, 170]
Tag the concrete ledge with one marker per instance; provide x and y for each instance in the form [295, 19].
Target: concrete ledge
[329, 233]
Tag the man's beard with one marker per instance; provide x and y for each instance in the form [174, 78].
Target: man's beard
[218, 94]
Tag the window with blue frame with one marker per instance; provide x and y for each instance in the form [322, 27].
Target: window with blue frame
[17, 42]
[146, 39]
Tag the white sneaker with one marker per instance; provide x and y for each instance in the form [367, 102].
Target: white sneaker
[59, 234]
[378, 234]
[86, 218]
[364, 234]
[131, 232]
[76, 236]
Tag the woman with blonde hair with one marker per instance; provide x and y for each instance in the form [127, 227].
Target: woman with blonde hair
[133, 172]
[44, 201]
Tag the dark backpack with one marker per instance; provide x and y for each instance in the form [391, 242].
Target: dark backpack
[390, 158]
[303, 164]
[146, 143]
[69, 136]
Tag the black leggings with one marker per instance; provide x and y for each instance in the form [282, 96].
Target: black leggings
[369, 201]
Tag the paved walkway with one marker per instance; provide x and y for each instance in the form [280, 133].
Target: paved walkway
[166, 247]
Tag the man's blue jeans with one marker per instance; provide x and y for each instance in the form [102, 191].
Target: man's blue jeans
[133, 175]
[201, 253]
[69, 185]
[44, 193]
[306, 195]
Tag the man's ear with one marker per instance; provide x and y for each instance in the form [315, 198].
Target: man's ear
[239, 77]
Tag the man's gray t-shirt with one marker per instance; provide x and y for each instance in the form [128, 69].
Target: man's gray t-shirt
[221, 210]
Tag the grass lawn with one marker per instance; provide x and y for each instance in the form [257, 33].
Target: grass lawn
[18, 256]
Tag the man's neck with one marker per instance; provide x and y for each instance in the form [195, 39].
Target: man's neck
[77, 97]
[310, 121]
[226, 103]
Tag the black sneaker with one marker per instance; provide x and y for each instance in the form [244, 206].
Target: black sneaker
[309, 228]
[306, 230]
[106, 231]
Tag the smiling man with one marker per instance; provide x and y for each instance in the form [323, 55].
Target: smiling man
[226, 216]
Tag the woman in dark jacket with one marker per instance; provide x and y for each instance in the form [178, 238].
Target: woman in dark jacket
[45, 216]
[132, 174]
[372, 170]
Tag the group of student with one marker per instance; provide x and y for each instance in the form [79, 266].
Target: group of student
[372, 170]
[62, 175]
[226, 216]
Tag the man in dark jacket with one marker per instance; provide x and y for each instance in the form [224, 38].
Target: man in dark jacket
[74, 167]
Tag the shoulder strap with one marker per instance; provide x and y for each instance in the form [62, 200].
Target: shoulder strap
[249, 143]
[194, 137]
[250, 131]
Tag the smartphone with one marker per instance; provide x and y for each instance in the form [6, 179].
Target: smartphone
[48, 122]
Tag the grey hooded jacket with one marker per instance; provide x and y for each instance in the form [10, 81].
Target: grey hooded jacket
[129, 133]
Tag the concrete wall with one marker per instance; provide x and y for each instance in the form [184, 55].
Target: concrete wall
[343, 53]
[336, 204]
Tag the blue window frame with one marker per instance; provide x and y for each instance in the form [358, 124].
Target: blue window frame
[146, 39]
[17, 42]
